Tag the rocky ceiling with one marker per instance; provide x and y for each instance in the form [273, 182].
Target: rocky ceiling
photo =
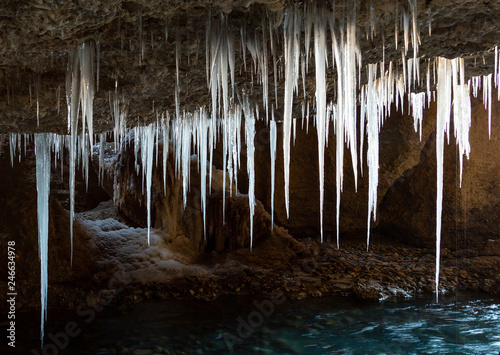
[137, 41]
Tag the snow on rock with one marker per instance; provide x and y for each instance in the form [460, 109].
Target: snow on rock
[125, 252]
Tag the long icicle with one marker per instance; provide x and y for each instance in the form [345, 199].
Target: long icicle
[148, 144]
[320, 60]
[272, 145]
[443, 122]
[72, 100]
[373, 115]
[42, 152]
[292, 53]
[249, 139]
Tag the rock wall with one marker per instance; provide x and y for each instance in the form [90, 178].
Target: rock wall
[399, 150]
[470, 213]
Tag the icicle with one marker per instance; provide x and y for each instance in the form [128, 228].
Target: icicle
[406, 29]
[275, 70]
[410, 74]
[320, 59]
[186, 155]
[362, 117]
[476, 82]
[428, 83]
[79, 92]
[72, 100]
[417, 103]
[443, 122]
[461, 111]
[352, 57]
[294, 125]
[42, 152]
[19, 138]
[292, 53]
[374, 113]
[177, 81]
[224, 165]
[496, 66]
[415, 36]
[102, 148]
[12, 145]
[263, 64]
[157, 131]
[165, 131]
[347, 56]
[339, 132]
[497, 74]
[212, 141]
[203, 128]
[307, 118]
[87, 82]
[148, 147]
[249, 139]
[487, 99]
[272, 146]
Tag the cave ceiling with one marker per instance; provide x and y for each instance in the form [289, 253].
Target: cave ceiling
[137, 42]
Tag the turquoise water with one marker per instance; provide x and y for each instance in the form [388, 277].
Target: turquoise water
[464, 324]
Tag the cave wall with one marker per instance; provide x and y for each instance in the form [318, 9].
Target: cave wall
[470, 213]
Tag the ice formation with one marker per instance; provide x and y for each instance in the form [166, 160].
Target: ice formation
[450, 80]
[249, 140]
[443, 122]
[43, 146]
[320, 54]
[373, 114]
[272, 146]
[147, 149]
[337, 63]
[80, 88]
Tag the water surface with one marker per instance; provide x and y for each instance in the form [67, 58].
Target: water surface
[458, 324]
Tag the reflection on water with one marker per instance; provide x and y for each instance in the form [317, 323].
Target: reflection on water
[467, 324]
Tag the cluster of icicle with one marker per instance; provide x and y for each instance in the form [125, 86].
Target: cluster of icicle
[386, 84]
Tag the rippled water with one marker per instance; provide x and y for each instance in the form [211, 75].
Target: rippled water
[464, 324]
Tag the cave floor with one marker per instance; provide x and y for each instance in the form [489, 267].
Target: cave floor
[388, 270]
